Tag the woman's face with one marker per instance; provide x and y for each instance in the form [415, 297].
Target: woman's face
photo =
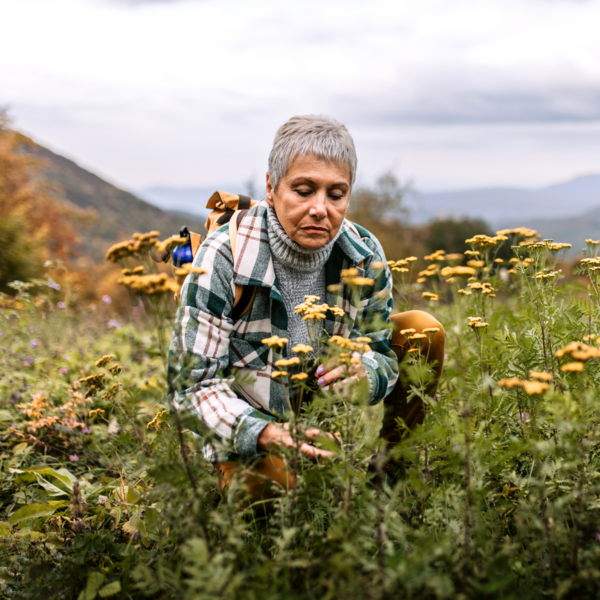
[311, 200]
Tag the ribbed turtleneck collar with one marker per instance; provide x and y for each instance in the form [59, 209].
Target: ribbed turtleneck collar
[292, 254]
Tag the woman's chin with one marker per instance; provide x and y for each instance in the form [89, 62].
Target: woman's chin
[312, 241]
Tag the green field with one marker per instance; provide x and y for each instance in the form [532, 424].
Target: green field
[104, 495]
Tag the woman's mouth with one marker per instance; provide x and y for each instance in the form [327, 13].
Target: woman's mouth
[314, 230]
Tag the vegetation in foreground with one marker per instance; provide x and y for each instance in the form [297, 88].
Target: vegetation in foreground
[104, 494]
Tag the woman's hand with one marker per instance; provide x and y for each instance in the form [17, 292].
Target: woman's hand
[331, 373]
[275, 434]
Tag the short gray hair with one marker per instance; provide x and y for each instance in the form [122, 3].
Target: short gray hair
[311, 135]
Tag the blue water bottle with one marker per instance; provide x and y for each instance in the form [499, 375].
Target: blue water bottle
[182, 255]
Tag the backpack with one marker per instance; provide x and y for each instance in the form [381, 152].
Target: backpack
[227, 208]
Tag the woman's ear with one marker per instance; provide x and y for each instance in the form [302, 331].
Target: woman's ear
[270, 191]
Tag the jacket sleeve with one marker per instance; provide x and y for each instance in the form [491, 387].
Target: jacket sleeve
[377, 303]
[199, 352]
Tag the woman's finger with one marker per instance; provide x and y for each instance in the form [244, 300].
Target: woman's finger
[328, 378]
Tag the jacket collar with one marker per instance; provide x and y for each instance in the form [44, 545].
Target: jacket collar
[253, 263]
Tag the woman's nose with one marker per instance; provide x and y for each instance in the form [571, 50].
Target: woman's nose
[318, 207]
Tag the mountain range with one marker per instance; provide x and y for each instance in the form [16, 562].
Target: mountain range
[116, 213]
[566, 212]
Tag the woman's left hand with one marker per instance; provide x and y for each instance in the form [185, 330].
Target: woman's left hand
[338, 375]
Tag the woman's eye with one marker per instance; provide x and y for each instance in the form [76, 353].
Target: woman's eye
[304, 193]
[335, 196]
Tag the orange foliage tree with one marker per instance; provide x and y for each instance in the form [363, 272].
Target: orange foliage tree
[36, 223]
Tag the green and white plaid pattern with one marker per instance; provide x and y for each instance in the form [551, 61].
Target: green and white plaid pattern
[207, 344]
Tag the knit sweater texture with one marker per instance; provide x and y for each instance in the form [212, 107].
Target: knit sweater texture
[300, 272]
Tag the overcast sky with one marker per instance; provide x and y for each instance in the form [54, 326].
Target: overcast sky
[449, 93]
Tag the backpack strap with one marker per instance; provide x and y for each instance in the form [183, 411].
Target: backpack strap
[244, 294]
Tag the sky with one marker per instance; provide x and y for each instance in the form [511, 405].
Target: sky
[449, 94]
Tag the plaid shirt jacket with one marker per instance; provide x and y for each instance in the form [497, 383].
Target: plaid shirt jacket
[207, 345]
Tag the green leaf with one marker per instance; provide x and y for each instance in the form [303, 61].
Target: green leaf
[34, 511]
[135, 524]
[5, 529]
[50, 487]
[66, 478]
[110, 590]
[152, 520]
[95, 580]
[5, 416]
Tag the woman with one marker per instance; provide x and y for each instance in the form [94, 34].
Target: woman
[293, 243]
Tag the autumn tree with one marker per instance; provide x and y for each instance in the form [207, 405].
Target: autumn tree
[35, 222]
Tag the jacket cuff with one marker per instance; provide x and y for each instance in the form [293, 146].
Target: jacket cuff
[372, 377]
[248, 430]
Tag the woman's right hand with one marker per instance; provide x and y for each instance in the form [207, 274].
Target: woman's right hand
[276, 434]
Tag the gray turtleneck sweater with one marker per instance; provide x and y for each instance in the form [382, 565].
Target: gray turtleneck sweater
[300, 272]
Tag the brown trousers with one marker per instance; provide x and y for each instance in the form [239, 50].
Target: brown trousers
[272, 471]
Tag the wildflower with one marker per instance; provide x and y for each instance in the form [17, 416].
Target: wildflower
[407, 331]
[411, 259]
[112, 324]
[299, 376]
[60, 305]
[572, 367]
[73, 457]
[510, 383]
[158, 421]
[590, 337]
[378, 264]
[96, 412]
[337, 311]
[542, 375]
[417, 336]
[167, 245]
[421, 280]
[348, 274]
[535, 387]
[498, 260]
[431, 330]
[478, 324]
[275, 340]
[522, 231]
[287, 362]
[302, 349]
[63, 371]
[102, 362]
[512, 271]
[276, 374]
[472, 252]
[361, 281]
[33, 343]
[454, 256]
[187, 269]
[437, 255]
[476, 263]
[473, 319]
[430, 296]
[106, 299]
[364, 340]
[465, 292]
[459, 270]
[578, 351]
[53, 285]
[333, 288]
[592, 242]
[115, 369]
[400, 269]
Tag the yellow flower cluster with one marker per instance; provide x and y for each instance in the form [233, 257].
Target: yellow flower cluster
[477, 323]
[287, 362]
[541, 375]
[311, 311]
[437, 255]
[485, 241]
[573, 367]
[94, 383]
[430, 296]
[578, 351]
[522, 231]
[102, 362]
[299, 376]
[275, 340]
[545, 275]
[456, 256]
[276, 374]
[140, 242]
[592, 242]
[137, 271]
[350, 345]
[167, 245]
[555, 247]
[476, 264]
[532, 388]
[158, 422]
[457, 271]
[186, 269]
[302, 349]
[350, 276]
[149, 285]
[96, 412]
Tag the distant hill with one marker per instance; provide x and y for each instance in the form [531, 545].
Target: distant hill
[189, 200]
[119, 214]
[502, 206]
